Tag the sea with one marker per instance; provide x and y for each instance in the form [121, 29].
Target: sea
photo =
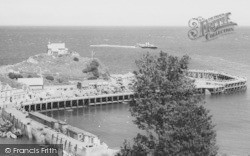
[115, 48]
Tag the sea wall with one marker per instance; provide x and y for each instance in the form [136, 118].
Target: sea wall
[44, 134]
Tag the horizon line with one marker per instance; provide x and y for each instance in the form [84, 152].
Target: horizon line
[103, 26]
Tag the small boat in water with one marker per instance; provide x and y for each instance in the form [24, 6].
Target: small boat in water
[147, 45]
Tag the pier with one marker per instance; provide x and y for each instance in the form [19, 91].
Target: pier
[75, 102]
[216, 82]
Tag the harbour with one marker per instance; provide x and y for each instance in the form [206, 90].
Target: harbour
[228, 123]
[22, 113]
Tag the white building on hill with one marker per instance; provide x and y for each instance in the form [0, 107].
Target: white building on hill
[57, 49]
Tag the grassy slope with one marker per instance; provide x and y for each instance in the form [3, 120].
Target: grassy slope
[61, 67]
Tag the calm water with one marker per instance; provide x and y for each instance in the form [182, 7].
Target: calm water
[113, 123]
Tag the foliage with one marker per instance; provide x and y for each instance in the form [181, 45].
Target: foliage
[93, 68]
[6, 80]
[30, 75]
[170, 111]
[60, 80]
[79, 85]
[92, 78]
[76, 59]
[51, 78]
[14, 76]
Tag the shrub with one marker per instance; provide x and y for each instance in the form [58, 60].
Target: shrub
[60, 80]
[94, 63]
[79, 85]
[76, 59]
[14, 76]
[92, 78]
[93, 67]
[51, 78]
[96, 73]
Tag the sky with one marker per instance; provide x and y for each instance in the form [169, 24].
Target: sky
[118, 12]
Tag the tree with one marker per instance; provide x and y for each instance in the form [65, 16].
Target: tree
[49, 77]
[169, 111]
[93, 68]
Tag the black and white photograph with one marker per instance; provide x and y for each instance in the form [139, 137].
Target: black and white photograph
[124, 78]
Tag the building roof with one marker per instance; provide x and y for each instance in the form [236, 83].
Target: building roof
[56, 46]
[31, 81]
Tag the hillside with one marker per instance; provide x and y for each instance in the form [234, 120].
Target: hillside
[62, 68]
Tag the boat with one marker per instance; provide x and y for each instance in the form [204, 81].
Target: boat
[11, 135]
[147, 45]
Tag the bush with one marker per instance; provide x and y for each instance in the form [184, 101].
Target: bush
[51, 78]
[92, 78]
[93, 67]
[76, 59]
[60, 80]
[96, 73]
[79, 85]
[14, 76]
[94, 63]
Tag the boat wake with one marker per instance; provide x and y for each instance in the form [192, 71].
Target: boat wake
[112, 46]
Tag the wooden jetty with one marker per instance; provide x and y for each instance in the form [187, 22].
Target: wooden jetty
[75, 102]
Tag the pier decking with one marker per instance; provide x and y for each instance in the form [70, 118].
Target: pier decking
[216, 82]
[68, 103]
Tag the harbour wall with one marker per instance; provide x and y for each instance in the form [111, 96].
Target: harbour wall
[44, 134]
